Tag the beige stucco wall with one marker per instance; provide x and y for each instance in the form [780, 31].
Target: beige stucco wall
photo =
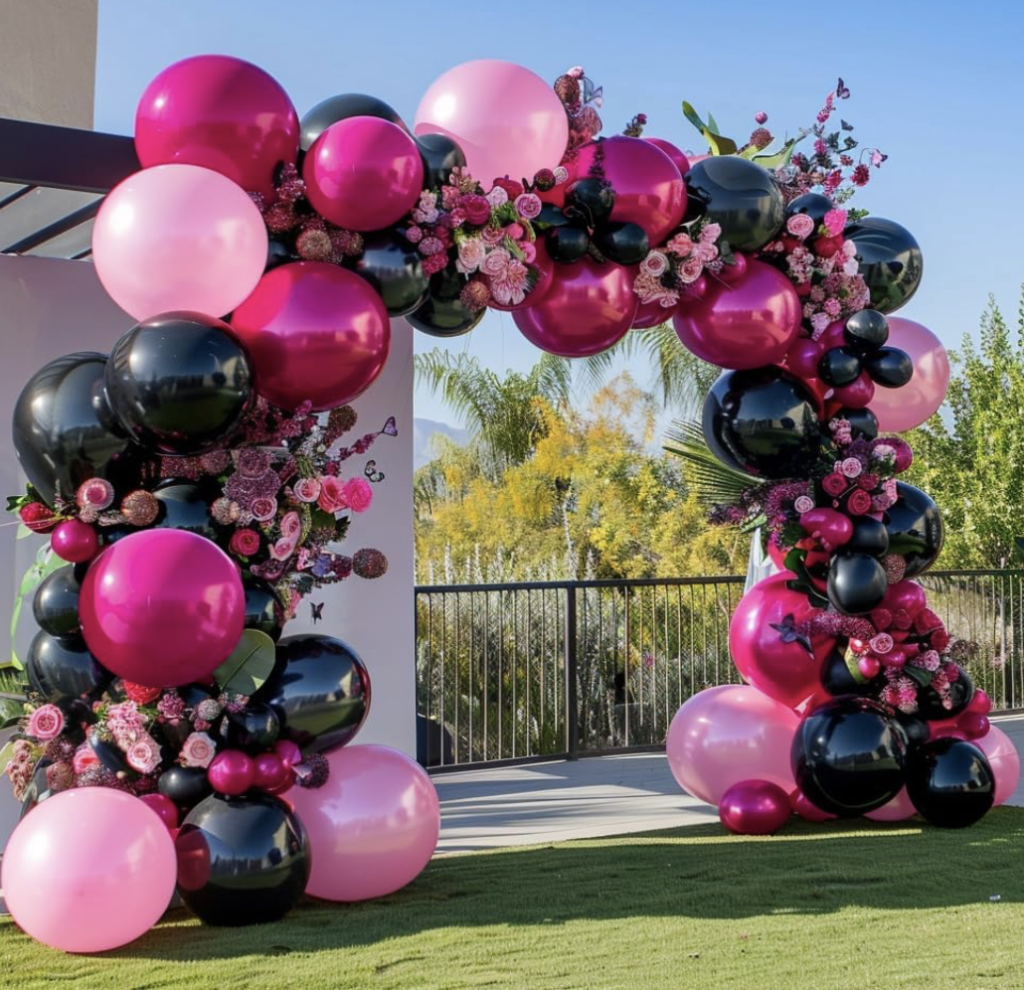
[48, 60]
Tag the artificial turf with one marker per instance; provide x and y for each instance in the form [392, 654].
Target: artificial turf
[815, 907]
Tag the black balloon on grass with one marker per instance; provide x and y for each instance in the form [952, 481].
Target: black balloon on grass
[950, 782]
[55, 605]
[61, 670]
[915, 526]
[889, 367]
[839, 366]
[856, 583]
[890, 261]
[623, 243]
[394, 268]
[443, 314]
[441, 155]
[334, 108]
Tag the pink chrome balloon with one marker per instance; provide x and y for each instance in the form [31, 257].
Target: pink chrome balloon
[980, 702]
[588, 308]
[74, 541]
[90, 869]
[363, 173]
[807, 810]
[748, 324]
[828, 525]
[649, 190]
[178, 237]
[545, 279]
[858, 394]
[898, 809]
[372, 827]
[1004, 760]
[221, 113]
[651, 314]
[314, 332]
[506, 119]
[974, 725]
[269, 772]
[164, 807]
[904, 408]
[231, 772]
[727, 734]
[679, 159]
[906, 595]
[735, 271]
[162, 607]
[803, 357]
[754, 807]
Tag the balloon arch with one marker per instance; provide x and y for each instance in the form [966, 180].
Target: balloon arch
[196, 484]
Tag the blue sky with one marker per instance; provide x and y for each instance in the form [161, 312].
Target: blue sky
[933, 86]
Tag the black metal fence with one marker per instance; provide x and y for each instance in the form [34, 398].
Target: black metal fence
[525, 670]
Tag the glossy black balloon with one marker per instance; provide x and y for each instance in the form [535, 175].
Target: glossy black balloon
[262, 608]
[930, 703]
[813, 205]
[443, 314]
[279, 253]
[916, 530]
[743, 198]
[254, 729]
[623, 243]
[111, 756]
[590, 201]
[863, 422]
[856, 582]
[314, 122]
[320, 691]
[179, 383]
[838, 679]
[440, 154]
[839, 366]
[551, 216]
[763, 422]
[869, 536]
[38, 789]
[185, 786]
[65, 434]
[567, 244]
[866, 331]
[914, 728]
[889, 367]
[61, 670]
[186, 505]
[950, 782]
[55, 605]
[394, 268]
[848, 756]
[890, 261]
[242, 860]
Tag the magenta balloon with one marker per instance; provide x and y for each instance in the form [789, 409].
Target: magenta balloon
[314, 332]
[898, 809]
[363, 173]
[1004, 760]
[748, 324]
[545, 279]
[735, 271]
[807, 810]
[727, 734]
[231, 772]
[269, 772]
[980, 702]
[166, 810]
[221, 113]
[178, 237]
[754, 807]
[162, 607]
[906, 595]
[372, 827]
[588, 308]
[803, 357]
[678, 157]
[858, 394]
[829, 525]
[651, 314]
[649, 190]
[506, 119]
[90, 869]
[74, 541]
[911, 405]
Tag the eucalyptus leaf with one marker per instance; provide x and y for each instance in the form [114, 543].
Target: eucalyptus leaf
[249, 665]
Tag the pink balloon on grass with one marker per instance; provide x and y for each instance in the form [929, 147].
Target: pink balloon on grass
[178, 237]
[807, 810]
[1004, 759]
[678, 157]
[900, 409]
[754, 807]
[899, 809]
[74, 541]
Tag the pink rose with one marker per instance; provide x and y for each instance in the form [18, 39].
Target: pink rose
[291, 525]
[497, 197]
[800, 225]
[529, 250]
[515, 231]
[681, 244]
[84, 758]
[492, 236]
[358, 494]
[332, 494]
[46, 722]
[881, 644]
[858, 503]
[283, 548]
[244, 542]
[528, 205]
[835, 221]
[710, 233]
[706, 251]
[834, 484]
[144, 755]
[496, 262]
[471, 255]
[414, 235]
[198, 750]
[803, 504]
[851, 467]
[654, 264]
[263, 508]
[96, 493]
[307, 489]
[690, 270]
[476, 208]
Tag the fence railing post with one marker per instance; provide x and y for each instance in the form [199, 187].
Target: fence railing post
[572, 706]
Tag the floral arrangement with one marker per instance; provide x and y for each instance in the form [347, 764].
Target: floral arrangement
[670, 272]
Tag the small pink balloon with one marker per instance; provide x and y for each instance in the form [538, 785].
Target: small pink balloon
[906, 595]
[748, 324]
[1004, 759]
[372, 827]
[231, 772]
[270, 773]
[807, 810]
[90, 869]
[900, 409]
[980, 702]
[288, 751]
[314, 332]
[651, 314]
[735, 271]
[869, 666]
[803, 356]
[898, 809]
[545, 279]
[858, 394]
[693, 292]
[973, 725]
[833, 527]
[754, 807]
[679, 159]
[74, 541]
[165, 808]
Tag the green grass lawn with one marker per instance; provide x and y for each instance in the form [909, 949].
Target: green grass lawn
[816, 907]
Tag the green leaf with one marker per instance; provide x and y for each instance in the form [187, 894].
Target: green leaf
[720, 145]
[6, 755]
[780, 158]
[24, 532]
[712, 123]
[249, 665]
[691, 115]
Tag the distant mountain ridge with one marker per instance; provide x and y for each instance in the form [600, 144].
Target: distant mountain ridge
[423, 430]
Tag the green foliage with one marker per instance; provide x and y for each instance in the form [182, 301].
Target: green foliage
[249, 665]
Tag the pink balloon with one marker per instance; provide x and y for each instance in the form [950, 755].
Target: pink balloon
[679, 159]
[803, 356]
[269, 772]
[974, 725]
[162, 607]
[372, 827]
[314, 332]
[828, 525]
[363, 173]
[588, 308]
[165, 808]
[649, 189]
[545, 279]
[178, 237]
[727, 734]
[906, 595]
[74, 541]
[748, 324]
[904, 408]
[735, 271]
[651, 314]
[289, 752]
[221, 113]
[807, 810]
[898, 809]
[858, 394]
[1004, 760]
[231, 772]
[506, 119]
[754, 807]
[90, 869]
[980, 702]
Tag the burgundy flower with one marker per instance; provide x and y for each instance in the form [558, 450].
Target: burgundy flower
[369, 563]
[881, 644]
[940, 639]
[358, 494]
[859, 502]
[38, 517]
[834, 484]
[96, 493]
[881, 619]
[252, 462]
[861, 176]
[140, 507]
[244, 542]
[868, 481]
[477, 209]
[511, 187]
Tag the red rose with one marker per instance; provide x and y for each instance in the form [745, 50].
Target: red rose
[881, 619]
[476, 208]
[940, 639]
[825, 247]
[38, 517]
[803, 288]
[868, 481]
[834, 483]
[140, 693]
[858, 503]
[927, 621]
[332, 494]
[244, 542]
[510, 186]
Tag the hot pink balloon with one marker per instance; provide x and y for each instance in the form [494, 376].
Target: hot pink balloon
[545, 279]
[270, 772]
[74, 541]
[980, 702]
[904, 408]
[803, 357]
[754, 807]
[588, 308]
[231, 772]
[506, 119]
[166, 810]
[221, 113]
[649, 189]
[1004, 760]
[974, 725]
[162, 607]
[828, 525]
[178, 237]
[651, 314]
[90, 869]
[807, 810]
[314, 332]
[898, 809]
[678, 157]
[727, 734]
[372, 827]
[363, 173]
[858, 394]
[735, 271]
[748, 324]
[906, 595]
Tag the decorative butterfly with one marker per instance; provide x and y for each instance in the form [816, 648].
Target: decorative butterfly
[317, 608]
[390, 429]
[788, 633]
[844, 125]
[877, 157]
[372, 473]
[842, 93]
[592, 96]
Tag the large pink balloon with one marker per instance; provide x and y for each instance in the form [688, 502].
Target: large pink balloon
[90, 869]
[162, 607]
[727, 734]
[651, 314]
[899, 809]
[747, 324]
[649, 188]
[178, 237]
[1004, 760]
[372, 827]
[221, 113]
[507, 120]
[314, 332]
[904, 408]
[588, 308]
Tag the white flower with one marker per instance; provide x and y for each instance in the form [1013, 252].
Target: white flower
[497, 197]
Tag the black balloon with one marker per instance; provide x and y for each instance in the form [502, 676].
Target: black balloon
[743, 198]
[763, 422]
[623, 243]
[848, 757]
[394, 268]
[185, 786]
[567, 244]
[334, 108]
[863, 422]
[38, 789]
[869, 536]
[440, 156]
[320, 691]
[55, 605]
[889, 367]
[443, 314]
[915, 528]
[179, 383]
[866, 331]
[279, 253]
[111, 756]
[262, 608]
[589, 201]
[838, 679]
[839, 366]
[181, 505]
[242, 860]
[890, 261]
[813, 205]
[62, 670]
[950, 782]
[914, 728]
[254, 729]
[930, 704]
[856, 583]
